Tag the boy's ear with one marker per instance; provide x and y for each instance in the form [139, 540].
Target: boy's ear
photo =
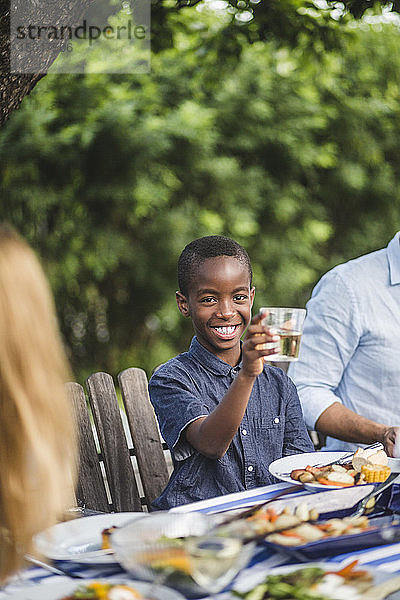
[252, 294]
[182, 303]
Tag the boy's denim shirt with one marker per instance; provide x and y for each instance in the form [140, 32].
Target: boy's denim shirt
[190, 386]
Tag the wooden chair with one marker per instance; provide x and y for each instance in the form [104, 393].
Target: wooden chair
[119, 470]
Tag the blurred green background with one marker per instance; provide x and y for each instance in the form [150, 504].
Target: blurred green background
[275, 123]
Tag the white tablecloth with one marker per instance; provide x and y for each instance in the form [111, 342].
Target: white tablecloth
[386, 557]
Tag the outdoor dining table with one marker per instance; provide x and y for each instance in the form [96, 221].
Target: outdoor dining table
[384, 557]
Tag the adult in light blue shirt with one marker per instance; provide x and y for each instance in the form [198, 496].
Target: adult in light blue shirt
[348, 372]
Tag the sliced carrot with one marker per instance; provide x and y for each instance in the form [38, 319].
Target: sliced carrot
[273, 515]
[357, 575]
[338, 483]
[347, 570]
[290, 533]
[268, 515]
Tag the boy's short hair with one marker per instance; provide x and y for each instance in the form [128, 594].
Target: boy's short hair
[209, 246]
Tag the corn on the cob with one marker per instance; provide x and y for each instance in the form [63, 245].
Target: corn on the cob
[375, 473]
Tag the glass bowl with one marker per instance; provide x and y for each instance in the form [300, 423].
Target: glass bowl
[157, 549]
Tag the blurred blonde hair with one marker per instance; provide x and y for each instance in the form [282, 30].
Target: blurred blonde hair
[37, 433]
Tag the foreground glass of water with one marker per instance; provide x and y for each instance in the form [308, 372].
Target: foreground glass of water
[288, 324]
[214, 561]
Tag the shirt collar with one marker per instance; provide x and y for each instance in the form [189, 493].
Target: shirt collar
[393, 254]
[210, 361]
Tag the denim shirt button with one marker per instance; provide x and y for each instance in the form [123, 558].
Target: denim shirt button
[250, 468]
[244, 431]
[276, 420]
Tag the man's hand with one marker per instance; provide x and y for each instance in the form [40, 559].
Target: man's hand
[342, 423]
[254, 346]
[389, 440]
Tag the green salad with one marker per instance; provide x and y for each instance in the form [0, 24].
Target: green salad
[296, 585]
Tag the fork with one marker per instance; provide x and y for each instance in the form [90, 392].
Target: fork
[378, 489]
[56, 570]
[344, 460]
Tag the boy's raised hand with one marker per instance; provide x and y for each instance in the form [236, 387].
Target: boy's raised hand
[254, 346]
[213, 434]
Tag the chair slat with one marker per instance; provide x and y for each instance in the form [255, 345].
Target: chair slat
[104, 404]
[145, 433]
[90, 490]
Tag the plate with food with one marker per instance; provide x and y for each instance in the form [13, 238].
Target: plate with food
[84, 540]
[320, 580]
[329, 470]
[310, 540]
[339, 502]
[299, 529]
[96, 589]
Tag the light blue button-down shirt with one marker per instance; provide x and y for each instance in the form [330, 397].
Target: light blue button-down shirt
[350, 349]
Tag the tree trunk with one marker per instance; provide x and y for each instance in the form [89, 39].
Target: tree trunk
[15, 86]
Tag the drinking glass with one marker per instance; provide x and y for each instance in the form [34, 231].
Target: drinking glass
[288, 324]
[216, 560]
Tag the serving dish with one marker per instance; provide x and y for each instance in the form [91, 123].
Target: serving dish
[382, 530]
[338, 502]
[79, 540]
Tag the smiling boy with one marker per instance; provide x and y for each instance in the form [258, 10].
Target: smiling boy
[223, 412]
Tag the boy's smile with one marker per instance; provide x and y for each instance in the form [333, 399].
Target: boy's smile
[227, 331]
[219, 303]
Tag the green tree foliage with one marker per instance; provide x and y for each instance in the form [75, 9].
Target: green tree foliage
[358, 8]
[294, 155]
[290, 22]
[287, 22]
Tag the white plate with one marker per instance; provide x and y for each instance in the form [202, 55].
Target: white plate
[394, 464]
[282, 467]
[79, 540]
[56, 591]
[377, 576]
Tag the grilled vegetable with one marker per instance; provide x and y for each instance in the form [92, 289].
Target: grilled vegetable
[375, 473]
